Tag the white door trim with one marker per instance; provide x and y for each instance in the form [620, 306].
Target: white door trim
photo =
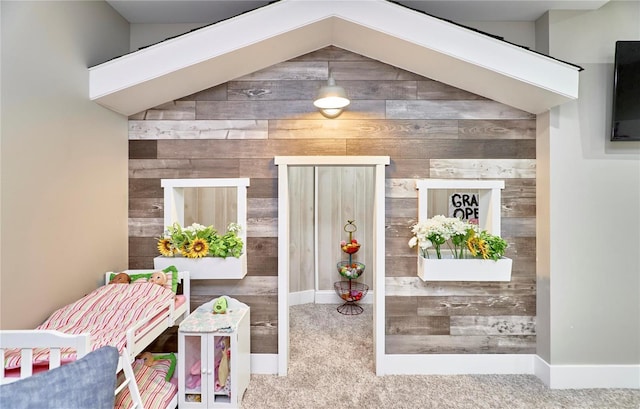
[378, 270]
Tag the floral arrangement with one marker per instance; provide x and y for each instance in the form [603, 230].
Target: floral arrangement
[459, 236]
[197, 241]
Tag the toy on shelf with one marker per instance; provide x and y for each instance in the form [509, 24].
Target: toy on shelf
[223, 366]
[194, 379]
[350, 291]
[220, 306]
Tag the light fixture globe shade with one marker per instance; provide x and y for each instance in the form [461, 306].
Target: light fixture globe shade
[331, 96]
[332, 101]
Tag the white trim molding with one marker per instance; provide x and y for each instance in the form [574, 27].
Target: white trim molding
[378, 269]
[587, 376]
[553, 376]
[458, 364]
[264, 364]
[322, 297]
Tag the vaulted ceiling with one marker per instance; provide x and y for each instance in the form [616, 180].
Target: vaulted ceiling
[382, 30]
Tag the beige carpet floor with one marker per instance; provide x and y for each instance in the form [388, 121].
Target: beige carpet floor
[331, 366]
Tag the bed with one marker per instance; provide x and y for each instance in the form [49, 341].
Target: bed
[128, 317]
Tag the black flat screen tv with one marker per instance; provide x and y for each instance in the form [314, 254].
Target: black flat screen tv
[625, 120]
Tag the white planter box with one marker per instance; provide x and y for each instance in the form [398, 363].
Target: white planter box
[450, 269]
[206, 268]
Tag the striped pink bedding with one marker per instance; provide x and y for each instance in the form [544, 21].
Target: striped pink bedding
[155, 391]
[106, 313]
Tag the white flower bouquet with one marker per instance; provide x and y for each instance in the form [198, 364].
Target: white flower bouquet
[459, 237]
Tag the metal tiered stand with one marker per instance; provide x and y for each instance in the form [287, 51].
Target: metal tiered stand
[351, 291]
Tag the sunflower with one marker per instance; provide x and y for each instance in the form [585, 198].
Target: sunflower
[165, 248]
[198, 248]
[476, 245]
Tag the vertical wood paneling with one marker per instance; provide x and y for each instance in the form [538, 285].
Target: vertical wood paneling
[215, 206]
[302, 233]
[329, 227]
[345, 193]
[428, 128]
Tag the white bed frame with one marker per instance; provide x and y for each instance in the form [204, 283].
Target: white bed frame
[138, 338]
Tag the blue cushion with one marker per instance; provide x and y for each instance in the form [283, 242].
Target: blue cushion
[88, 382]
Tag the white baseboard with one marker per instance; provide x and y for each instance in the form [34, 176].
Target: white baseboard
[542, 370]
[587, 376]
[264, 364]
[322, 297]
[457, 364]
[554, 376]
[301, 297]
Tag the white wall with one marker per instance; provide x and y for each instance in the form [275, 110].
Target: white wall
[594, 200]
[64, 158]
[542, 34]
[144, 35]
[518, 32]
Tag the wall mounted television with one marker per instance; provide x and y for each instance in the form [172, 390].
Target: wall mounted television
[625, 120]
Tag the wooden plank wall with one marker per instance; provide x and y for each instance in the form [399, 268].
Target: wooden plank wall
[427, 128]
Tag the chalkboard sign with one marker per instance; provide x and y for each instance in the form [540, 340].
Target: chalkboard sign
[465, 206]
[447, 197]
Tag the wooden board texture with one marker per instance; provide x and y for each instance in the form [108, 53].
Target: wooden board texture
[429, 129]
